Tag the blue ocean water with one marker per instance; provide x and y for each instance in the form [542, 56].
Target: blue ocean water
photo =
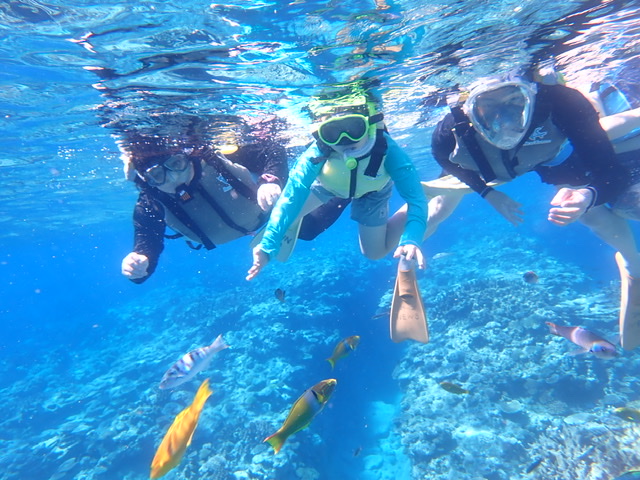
[82, 349]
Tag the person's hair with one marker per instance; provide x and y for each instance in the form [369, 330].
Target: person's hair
[142, 147]
[143, 150]
[354, 97]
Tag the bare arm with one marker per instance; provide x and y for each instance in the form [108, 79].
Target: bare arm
[620, 124]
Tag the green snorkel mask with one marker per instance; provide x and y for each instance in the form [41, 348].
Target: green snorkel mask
[352, 118]
[345, 130]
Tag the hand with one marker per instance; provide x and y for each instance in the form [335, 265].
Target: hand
[411, 252]
[260, 259]
[506, 206]
[268, 193]
[135, 266]
[572, 203]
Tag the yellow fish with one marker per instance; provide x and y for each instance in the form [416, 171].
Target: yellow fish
[343, 348]
[179, 435]
[629, 414]
[310, 403]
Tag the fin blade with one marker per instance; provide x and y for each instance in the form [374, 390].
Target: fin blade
[629, 307]
[408, 319]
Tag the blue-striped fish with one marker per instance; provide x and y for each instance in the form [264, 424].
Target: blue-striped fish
[588, 341]
[191, 363]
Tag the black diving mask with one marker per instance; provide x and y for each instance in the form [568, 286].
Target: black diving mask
[156, 175]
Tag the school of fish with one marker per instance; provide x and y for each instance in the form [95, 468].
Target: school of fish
[314, 399]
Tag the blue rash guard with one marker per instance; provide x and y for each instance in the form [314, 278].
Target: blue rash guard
[306, 170]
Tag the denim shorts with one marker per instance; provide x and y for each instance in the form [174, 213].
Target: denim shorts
[370, 210]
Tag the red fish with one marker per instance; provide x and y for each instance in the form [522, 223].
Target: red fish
[589, 341]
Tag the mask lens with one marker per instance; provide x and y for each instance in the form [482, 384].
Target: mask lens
[344, 130]
[155, 175]
[502, 115]
[177, 163]
[504, 106]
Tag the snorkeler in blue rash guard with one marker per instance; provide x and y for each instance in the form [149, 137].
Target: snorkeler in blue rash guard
[353, 157]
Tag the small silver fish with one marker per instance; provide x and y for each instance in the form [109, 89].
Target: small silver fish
[191, 363]
[441, 255]
[589, 341]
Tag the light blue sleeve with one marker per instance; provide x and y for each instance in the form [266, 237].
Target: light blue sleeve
[293, 197]
[407, 181]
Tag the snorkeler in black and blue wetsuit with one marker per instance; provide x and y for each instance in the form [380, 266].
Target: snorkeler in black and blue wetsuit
[505, 128]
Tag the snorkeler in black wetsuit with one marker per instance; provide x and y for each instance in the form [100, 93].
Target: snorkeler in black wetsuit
[209, 196]
[206, 195]
[557, 114]
[508, 127]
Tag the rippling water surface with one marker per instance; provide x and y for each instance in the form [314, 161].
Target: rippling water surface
[64, 61]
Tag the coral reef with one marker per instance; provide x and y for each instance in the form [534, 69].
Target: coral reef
[92, 409]
[528, 397]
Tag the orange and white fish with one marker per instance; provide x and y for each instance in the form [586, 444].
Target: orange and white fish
[179, 435]
[191, 363]
[588, 341]
[310, 403]
[343, 348]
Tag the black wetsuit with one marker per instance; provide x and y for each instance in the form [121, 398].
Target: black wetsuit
[318, 220]
[571, 116]
[267, 161]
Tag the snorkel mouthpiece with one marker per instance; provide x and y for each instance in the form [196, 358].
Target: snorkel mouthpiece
[350, 163]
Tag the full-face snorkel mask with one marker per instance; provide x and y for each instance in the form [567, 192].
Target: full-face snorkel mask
[501, 111]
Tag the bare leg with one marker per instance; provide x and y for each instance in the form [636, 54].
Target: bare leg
[616, 232]
[440, 208]
[373, 241]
